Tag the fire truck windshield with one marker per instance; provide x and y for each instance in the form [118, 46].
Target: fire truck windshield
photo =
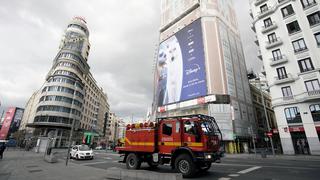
[207, 128]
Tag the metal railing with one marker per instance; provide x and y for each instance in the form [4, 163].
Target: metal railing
[314, 92]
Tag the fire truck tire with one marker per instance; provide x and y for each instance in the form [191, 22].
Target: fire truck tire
[133, 161]
[185, 165]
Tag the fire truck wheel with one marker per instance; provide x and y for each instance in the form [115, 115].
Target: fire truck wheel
[133, 161]
[185, 165]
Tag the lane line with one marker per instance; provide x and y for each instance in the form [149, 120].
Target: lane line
[266, 166]
[224, 178]
[93, 163]
[249, 169]
[229, 164]
[233, 175]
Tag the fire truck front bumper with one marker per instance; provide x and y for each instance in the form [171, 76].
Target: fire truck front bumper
[210, 157]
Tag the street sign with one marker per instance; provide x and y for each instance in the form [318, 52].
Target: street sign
[266, 139]
[269, 134]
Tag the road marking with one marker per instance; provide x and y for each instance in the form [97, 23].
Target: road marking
[249, 170]
[265, 166]
[115, 161]
[109, 158]
[233, 175]
[228, 164]
[224, 178]
[93, 163]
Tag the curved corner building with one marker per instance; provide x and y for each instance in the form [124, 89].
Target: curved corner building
[69, 92]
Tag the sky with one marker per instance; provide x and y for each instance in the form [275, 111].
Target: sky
[123, 36]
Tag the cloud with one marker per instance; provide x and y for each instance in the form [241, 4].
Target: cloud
[123, 37]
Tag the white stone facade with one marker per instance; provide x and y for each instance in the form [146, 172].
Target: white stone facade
[288, 35]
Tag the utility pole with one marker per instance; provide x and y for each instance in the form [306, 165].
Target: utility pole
[70, 138]
[267, 118]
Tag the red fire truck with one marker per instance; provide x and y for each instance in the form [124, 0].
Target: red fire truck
[188, 143]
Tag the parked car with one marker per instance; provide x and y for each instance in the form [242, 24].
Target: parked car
[98, 148]
[81, 152]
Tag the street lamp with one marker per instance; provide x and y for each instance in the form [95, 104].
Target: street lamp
[266, 115]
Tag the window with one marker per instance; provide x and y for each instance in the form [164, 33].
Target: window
[276, 54]
[292, 115]
[312, 85]
[305, 65]
[286, 91]
[293, 27]
[167, 129]
[299, 45]
[286, 11]
[190, 128]
[315, 112]
[177, 127]
[317, 36]
[282, 74]
[272, 38]
[314, 18]
[267, 22]
[264, 8]
[307, 3]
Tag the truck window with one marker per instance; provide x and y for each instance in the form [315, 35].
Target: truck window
[190, 128]
[177, 127]
[167, 129]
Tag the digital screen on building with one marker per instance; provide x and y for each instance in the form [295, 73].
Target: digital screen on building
[7, 123]
[181, 73]
[16, 120]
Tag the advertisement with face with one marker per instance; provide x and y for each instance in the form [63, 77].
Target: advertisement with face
[180, 66]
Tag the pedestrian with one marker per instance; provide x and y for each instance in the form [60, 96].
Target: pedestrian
[2, 148]
[306, 147]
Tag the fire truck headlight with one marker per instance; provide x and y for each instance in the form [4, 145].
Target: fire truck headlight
[208, 156]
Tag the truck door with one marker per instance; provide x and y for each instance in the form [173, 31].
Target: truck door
[169, 137]
[192, 135]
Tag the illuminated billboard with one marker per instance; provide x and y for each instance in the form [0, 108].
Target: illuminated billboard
[181, 66]
[7, 123]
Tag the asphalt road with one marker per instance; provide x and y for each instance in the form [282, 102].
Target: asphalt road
[229, 168]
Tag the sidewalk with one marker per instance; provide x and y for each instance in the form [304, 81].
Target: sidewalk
[25, 165]
[278, 156]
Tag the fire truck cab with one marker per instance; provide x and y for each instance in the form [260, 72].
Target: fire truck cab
[188, 143]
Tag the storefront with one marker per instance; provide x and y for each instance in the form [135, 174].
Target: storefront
[299, 140]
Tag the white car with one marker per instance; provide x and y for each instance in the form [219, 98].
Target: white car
[81, 152]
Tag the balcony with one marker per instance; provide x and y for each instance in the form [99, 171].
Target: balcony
[253, 28]
[278, 60]
[314, 93]
[257, 42]
[260, 56]
[288, 98]
[258, 2]
[310, 96]
[271, 27]
[273, 43]
[283, 79]
[265, 13]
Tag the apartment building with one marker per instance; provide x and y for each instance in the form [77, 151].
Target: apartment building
[288, 33]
